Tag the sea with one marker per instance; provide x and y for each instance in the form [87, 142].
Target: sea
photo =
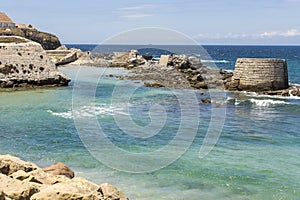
[148, 141]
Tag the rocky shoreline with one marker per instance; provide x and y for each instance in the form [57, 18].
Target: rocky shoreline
[20, 180]
[181, 71]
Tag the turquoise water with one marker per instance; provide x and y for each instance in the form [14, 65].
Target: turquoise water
[256, 157]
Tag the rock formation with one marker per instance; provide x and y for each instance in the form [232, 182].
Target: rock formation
[59, 169]
[179, 71]
[264, 76]
[259, 74]
[20, 180]
[47, 40]
[63, 56]
[24, 63]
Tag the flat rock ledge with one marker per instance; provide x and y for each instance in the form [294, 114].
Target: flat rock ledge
[20, 180]
[25, 64]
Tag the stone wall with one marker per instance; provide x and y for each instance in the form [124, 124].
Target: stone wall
[260, 74]
[24, 63]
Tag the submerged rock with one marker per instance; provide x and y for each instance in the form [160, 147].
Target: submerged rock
[22, 180]
[24, 63]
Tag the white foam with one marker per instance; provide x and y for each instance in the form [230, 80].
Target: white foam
[267, 102]
[215, 61]
[235, 100]
[90, 111]
[253, 94]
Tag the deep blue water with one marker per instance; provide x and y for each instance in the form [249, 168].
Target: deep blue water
[257, 155]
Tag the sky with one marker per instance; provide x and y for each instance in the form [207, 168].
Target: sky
[228, 22]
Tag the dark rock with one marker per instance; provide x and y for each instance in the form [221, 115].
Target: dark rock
[206, 100]
[147, 57]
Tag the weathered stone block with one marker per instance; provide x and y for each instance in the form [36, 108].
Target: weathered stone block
[261, 74]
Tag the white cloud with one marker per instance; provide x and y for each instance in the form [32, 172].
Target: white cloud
[288, 33]
[267, 34]
[136, 15]
[136, 8]
[139, 11]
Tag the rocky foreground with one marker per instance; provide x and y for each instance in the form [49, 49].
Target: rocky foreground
[20, 180]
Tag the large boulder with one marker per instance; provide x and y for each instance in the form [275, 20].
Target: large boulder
[24, 63]
[59, 169]
[10, 165]
[111, 192]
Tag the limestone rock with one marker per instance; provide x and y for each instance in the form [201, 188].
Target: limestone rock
[15, 189]
[20, 180]
[59, 169]
[39, 176]
[63, 56]
[70, 57]
[10, 164]
[110, 192]
[76, 188]
[24, 63]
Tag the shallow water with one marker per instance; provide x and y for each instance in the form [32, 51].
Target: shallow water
[256, 157]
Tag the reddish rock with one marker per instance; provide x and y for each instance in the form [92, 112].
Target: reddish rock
[59, 169]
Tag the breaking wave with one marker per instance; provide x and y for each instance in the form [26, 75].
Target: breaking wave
[90, 111]
[256, 102]
[267, 102]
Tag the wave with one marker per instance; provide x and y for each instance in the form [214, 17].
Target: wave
[256, 102]
[253, 94]
[267, 102]
[90, 111]
[215, 61]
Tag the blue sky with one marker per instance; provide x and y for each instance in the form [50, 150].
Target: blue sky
[208, 22]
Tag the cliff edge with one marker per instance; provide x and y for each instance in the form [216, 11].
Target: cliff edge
[47, 40]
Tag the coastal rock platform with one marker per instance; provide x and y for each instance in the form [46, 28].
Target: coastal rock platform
[20, 180]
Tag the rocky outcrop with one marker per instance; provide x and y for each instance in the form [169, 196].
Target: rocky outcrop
[179, 71]
[47, 40]
[24, 63]
[63, 55]
[259, 74]
[20, 180]
[127, 60]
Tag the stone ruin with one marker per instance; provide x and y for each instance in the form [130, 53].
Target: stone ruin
[259, 74]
